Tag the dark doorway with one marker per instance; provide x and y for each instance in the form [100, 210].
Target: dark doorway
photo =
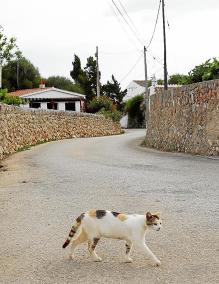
[70, 106]
[52, 105]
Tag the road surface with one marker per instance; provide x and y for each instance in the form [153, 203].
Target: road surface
[44, 189]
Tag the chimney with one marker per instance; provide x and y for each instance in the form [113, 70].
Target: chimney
[42, 84]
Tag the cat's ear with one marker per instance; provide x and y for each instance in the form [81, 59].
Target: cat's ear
[156, 214]
[149, 216]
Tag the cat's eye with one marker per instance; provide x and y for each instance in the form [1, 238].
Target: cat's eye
[155, 224]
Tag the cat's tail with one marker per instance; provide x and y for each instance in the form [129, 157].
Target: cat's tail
[74, 229]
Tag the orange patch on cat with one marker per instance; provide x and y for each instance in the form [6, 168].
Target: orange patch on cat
[92, 213]
[122, 217]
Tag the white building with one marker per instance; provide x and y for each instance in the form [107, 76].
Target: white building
[51, 98]
[136, 87]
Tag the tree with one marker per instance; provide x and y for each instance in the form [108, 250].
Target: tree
[86, 77]
[76, 71]
[64, 83]
[178, 79]
[209, 70]
[27, 74]
[160, 82]
[7, 47]
[113, 90]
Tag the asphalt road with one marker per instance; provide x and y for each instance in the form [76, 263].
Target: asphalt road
[44, 189]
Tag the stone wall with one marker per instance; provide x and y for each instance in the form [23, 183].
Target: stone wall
[186, 119]
[22, 127]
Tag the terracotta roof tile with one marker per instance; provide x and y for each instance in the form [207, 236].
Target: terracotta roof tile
[19, 93]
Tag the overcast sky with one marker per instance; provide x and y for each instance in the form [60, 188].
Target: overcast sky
[49, 32]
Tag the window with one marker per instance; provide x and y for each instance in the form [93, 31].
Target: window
[34, 105]
[70, 106]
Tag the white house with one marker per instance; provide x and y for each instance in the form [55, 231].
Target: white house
[51, 98]
[136, 87]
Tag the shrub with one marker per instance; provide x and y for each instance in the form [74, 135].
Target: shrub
[100, 103]
[135, 109]
[10, 100]
[114, 115]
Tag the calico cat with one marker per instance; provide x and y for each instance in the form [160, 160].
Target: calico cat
[94, 224]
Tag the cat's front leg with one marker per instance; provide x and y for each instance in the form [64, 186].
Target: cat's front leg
[149, 253]
[128, 247]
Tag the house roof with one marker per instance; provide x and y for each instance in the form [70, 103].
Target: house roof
[19, 93]
[140, 82]
[43, 93]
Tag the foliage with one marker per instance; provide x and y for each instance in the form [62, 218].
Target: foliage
[28, 74]
[178, 79]
[7, 46]
[10, 100]
[113, 90]
[76, 71]
[104, 105]
[135, 109]
[85, 78]
[160, 82]
[209, 70]
[114, 115]
[63, 83]
[101, 103]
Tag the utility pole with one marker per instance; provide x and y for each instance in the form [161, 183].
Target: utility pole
[165, 52]
[146, 98]
[18, 73]
[98, 75]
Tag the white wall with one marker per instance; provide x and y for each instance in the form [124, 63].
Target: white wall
[61, 106]
[43, 105]
[124, 121]
[133, 90]
[78, 106]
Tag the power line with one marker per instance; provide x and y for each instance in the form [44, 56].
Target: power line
[120, 22]
[131, 28]
[154, 26]
[133, 67]
[124, 9]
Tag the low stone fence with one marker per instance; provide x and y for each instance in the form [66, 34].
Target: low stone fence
[23, 127]
[186, 119]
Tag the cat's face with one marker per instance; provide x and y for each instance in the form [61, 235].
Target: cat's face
[153, 221]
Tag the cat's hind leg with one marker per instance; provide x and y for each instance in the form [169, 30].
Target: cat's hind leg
[82, 237]
[91, 247]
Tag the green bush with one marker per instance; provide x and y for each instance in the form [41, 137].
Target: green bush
[10, 100]
[135, 109]
[100, 103]
[114, 115]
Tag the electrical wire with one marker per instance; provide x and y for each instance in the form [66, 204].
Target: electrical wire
[154, 26]
[124, 9]
[120, 22]
[131, 28]
[133, 67]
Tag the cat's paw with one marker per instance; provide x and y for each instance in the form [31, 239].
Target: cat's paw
[98, 259]
[71, 256]
[157, 263]
[128, 260]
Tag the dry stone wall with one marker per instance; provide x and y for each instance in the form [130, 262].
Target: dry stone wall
[186, 119]
[22, 127]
